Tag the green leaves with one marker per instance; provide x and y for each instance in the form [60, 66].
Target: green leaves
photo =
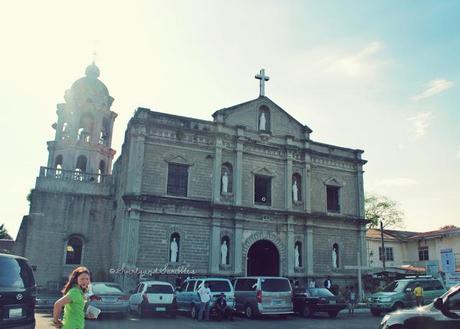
[381, 208]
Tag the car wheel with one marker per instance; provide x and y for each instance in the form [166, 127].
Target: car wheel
[307, 312]
[193, 312]
[249, 312]
[375, 312]
[333, 314]
[398, 306]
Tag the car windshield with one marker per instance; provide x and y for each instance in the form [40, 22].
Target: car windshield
[394, 286]
[320, 292]
[15, 273]
[219, 286]
[275, 285]
[106, 288]
[159, 289]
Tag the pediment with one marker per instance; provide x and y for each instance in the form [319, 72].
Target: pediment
[178, 159]
[247, 114]
[264, 171]
[331, 181]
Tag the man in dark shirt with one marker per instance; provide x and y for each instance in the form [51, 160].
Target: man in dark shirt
[222, 309]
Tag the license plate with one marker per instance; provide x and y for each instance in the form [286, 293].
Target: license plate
[109, 300]
[160, 309]
[332, 302]
[15, 313]
[276, 302]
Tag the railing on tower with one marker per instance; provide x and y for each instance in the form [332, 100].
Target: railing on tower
[70, 175]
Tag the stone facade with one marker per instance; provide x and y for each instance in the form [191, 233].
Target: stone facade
[143, 206]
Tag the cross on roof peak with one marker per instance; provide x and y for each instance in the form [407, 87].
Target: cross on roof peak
[262, 77]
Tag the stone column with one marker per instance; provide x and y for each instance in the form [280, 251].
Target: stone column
[307, 183]
[290, 246]
[130, 236]
[214, 245]
[360, 198]
[217, 170]
[309, 249]
[288, 180]
[239, 165]
[363, 245]
[238, 243]
[135, 160]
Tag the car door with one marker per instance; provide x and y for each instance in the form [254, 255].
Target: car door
[180, 296]
[189, 294]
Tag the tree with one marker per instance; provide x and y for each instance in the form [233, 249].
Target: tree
[4, 233]
[383, 209]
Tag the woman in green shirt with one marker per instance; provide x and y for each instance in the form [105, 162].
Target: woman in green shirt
[73, 301]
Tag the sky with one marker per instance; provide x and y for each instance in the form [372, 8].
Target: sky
[382, 76]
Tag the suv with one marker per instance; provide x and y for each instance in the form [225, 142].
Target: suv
[189, 301]
[399, 294]
[17, 293]
[255, 296]
[153, 297]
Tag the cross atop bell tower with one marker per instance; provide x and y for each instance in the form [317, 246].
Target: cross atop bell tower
[262, 77]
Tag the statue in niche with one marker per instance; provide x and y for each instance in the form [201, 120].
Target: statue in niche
[225, 182]
[224, 252]
[262, 121]
[297, 255]
[295, 191]
[174, 251]
[334, 257]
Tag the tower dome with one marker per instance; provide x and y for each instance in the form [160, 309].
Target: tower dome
[89, 90]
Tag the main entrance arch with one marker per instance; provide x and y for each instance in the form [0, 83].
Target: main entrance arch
[263, 259]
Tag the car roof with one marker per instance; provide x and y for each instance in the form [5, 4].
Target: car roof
[157, 282]
[262, 277]
[208, 279]
[13, 256]
[97, 282]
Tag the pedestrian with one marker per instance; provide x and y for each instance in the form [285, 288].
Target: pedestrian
[73, 301]
[205, 297]
[418, 292]
[328, 283]
[222, 308]
[351, 300]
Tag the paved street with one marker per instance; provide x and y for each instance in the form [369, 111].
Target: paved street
[343, 321]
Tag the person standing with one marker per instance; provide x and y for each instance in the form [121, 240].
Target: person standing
[73, 301]
[328, 283]
[351, 301]
[205, 297]
[418, 292]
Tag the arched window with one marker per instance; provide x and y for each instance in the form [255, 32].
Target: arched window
[105, 132]
[73, 251]
[58, 166]
[225, 250]
[296, 187]
[298, 254]
[335, 255]
[226, 182]
[81, 163]
[101, 171]
[174, 247]
[85, 127]
[264, 119]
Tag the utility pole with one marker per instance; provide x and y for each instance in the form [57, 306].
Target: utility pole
[383, 253]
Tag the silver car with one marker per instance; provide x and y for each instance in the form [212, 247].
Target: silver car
[109, 298]
[255, 296]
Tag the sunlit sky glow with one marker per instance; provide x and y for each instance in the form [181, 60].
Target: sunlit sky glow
[382, 76]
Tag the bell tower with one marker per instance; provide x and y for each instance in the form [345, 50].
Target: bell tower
[81, 148]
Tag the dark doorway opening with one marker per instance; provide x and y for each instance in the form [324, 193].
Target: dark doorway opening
[263, 259]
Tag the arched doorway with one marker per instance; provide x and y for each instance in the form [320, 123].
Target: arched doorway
[263, 259]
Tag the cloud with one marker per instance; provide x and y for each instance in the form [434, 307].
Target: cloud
[420, 124]
[397, 182]
[458, 153]
[358, 64]
[433, 87]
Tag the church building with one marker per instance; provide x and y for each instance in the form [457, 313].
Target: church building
[246, 193]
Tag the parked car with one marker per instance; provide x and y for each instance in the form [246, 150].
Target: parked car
[308, 301]
[255, 296]
[17, 293]
[443, 313]
[109, 297]
[189, 301]
[399, 294]
[153, 297]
